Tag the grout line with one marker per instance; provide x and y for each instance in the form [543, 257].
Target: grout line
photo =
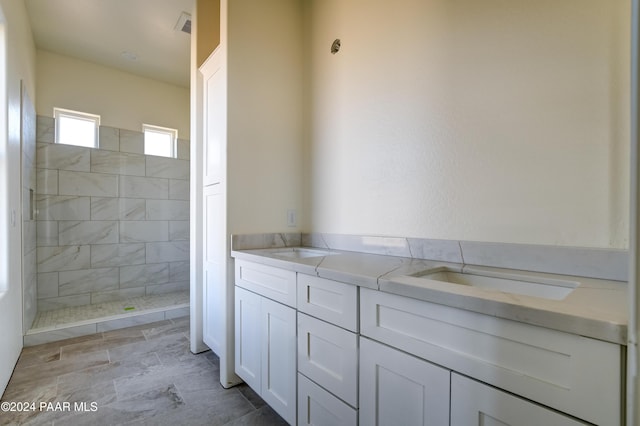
[461, 254]
[246, 399]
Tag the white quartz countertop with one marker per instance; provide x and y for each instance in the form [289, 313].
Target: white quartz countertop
[595, 308]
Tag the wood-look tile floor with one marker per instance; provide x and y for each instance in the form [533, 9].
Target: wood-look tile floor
[143, 375]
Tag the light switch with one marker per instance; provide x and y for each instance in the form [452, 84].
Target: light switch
[292, 218]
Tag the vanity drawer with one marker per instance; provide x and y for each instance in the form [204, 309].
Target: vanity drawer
[331, 301]
[316, 406]
[571, 373]
[274, 283]
[328, 355]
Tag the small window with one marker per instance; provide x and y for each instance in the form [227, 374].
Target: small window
[159, 141]
[76, 128]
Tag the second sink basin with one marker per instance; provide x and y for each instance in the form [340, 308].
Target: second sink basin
[546, 288]
[300, 253]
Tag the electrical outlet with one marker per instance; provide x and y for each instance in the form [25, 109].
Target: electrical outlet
[292, 218]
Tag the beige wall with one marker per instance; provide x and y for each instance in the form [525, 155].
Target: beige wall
[497, 121]
[265, 115]
[20, 65]
[207, 30]
[123, 100]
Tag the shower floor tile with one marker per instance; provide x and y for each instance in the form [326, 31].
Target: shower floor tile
[88, 319]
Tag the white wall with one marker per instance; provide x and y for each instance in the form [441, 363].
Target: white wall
[20, 66]
[70, 83]
[501, 121]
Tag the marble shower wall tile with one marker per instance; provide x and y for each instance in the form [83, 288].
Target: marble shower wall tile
[131, 141]
[167, 252]
[62, 157]
[109, 138]
[133, 209]
[117, 208]
[60, 207]
[47, 233]
[111, 221]
[184, 149]
[141, 275]
[63, 302]
[45, 129]
[29, 240]
[167, 288]
[105, 208]
[63, 258]
[167, 167]
[144, 187]
[179, 271]
[46, 181]
[88, 280]
[117, 255]
[120, 163]
[179, 189]
[178, 230]
[110, 296]
[144, 231]
[47, 285]
[167, 210]
[87, 232]
[89, 184]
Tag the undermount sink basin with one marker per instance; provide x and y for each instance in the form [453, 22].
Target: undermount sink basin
[546, 288]
[301, 253]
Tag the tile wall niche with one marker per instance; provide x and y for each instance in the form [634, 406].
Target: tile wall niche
[112, 223]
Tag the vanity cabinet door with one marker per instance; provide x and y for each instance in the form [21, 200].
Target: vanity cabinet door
[248, 316]
[399, 389]
[474, 403]
[265, 350]
[328, 355]
[318, 407]
[278, 323]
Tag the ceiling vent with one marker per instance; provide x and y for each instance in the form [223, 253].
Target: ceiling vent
[184, 23]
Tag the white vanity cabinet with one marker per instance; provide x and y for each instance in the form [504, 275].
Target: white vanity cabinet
[568, 373]
[265, 336]
[321, 352]
[476, 404]
[327, 352]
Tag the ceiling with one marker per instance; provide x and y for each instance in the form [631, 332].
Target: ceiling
[136, 36]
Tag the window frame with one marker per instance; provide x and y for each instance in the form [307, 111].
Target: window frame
[162, 130]
[76, 115]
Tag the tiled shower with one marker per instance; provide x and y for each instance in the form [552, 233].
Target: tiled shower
[112, 224]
